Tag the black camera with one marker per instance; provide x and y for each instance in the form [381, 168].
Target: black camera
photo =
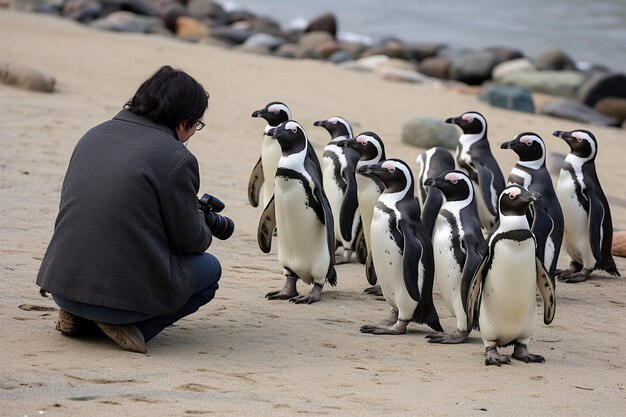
[221, 227]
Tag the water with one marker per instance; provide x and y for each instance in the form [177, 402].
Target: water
[591, 31]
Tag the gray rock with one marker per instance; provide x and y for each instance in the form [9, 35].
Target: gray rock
[395, 73]
[342, 56]
[473, 68]
[312, 40]
[141, 7]
[573, 110]
[505, 54]
[325, 23]
[612, 107]
[263, 40]
[366, 64]
[207, 8]
[426, 133]
[438, 67]
[130, 22]
[419, 51]
[508, 97]
[556, 83]
[231, 34]
[600, 85]
[555, 59]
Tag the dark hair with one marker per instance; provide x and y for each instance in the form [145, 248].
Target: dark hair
[169, 97]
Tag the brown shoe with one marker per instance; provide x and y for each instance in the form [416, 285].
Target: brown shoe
[67, 323]
[127, 336]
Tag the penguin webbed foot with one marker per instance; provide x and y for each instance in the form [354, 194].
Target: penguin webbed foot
[393, 318]
[572, 277]
[284, 294]
[494, 358]
[344, 258]
[398, 328]
[312, 297]
[374, 290]
[448, 338]
[521, 353]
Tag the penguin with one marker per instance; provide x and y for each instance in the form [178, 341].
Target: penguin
[503, 290]
[473, 156]
[402, 251]
[300, 210]
[259, 190]
[371, 150]
[459, 248]
[339, 181]
[546, 216]
[431, 163]
[588, 226]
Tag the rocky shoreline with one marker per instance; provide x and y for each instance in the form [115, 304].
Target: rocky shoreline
[503, 77]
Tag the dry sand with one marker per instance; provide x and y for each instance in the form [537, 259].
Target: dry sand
[243, 354]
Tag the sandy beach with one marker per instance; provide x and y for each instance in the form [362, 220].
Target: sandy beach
[242, 354]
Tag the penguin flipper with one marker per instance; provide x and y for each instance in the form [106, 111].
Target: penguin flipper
[601, 234]
[267, 224]
[360, 246]
[254, 184]
[472, 303]
[547, 291]
[412, 254]
[430, 211]
[311, 155]
[485, 181]
[349, 208]
[543, 225]
[329, 223]
[370, 271]
[473, 260]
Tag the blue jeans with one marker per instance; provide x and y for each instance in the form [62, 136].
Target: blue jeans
[207, 273]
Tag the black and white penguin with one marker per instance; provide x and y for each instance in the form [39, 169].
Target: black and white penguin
[402, 251]
[474, 157]
[302, 214]
[339, 180]
[371, 150]
[546, 216]
[503, 290]
[430, 164]
[588, 227]
[459, 248]
[260, 190]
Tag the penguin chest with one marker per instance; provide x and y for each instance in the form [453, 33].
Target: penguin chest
[576, 220]
[508, 303]
[270, 154]
[302, 242]
[388, 262]
[448, 269]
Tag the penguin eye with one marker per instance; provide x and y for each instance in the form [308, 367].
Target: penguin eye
[470, 119]
[579, 140]
[294, 130]
[512, 196]
[454, 181]
[529, 143]
[391, 169]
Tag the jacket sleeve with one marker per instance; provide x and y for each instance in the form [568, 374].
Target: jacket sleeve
[185, 225]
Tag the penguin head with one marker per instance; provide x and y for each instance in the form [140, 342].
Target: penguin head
[471, 122]
[291, 137]
[582, 143]
[336, 126]
[369, 146]
[454, 185]
[514, 200]
[393, 174]
[274, 113]
[528, 146]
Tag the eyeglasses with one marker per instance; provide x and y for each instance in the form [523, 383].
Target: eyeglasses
[199, 124]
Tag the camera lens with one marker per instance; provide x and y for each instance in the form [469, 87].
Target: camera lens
[221, 227]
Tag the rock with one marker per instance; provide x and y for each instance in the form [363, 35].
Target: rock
[342, 56]
[556, 83]
[618, 248]
[263, 40]
[392, 50]
[231, 34]
[426, 133]
[325, 23]
[395, 73]
[170, 12]
[312, 40]
[418, 51]
[288, 50]
[366, 64]
[240, 15]
[473, 68]
[140, 7]
[612, 107]
[555, 59]
[24, 76]
[600, 85]
[123, 21]
[207, 8]
[438, 67]
[190, 28]
[505, 54]
[266, 25]
[573, 110]
[508, 97]
[508, 67]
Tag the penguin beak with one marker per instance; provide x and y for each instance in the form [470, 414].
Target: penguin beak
[567, 136]
[320, 123]
[272, 132]
[506, 145]
[370, 170]
[346, 143]
[430, 182]
[452, 120]
[257, 113]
